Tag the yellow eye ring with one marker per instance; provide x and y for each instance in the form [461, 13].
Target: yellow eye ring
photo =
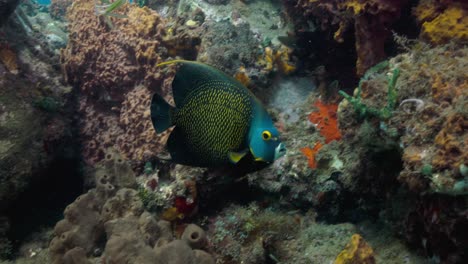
[266, 135]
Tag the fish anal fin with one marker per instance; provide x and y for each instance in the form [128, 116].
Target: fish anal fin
[177, 147]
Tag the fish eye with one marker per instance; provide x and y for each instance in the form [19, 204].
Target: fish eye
[266, 135]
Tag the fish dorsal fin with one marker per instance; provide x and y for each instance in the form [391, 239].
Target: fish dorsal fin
[193, 75]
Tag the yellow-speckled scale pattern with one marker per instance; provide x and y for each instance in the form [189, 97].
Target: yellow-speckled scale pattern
[215, 120]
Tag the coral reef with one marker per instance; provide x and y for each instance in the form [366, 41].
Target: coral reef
[108, 223]
[138, 139]
[438, 225]
[242, 76]
[7, 7]
[263, 234]
[232, 36]
[58, 8]
[278, 60]
[443, 21]
[326, 121]
[424, 131]
[402, 128]
[438, 138]
[371, 20]
[55, 33]
[129, 57]
[21, 149]
[24, 130]
[240, 233]
[425, 141]
[115, 70]
[310, 154]
[33, 136]
[362, 110]
[228, 47]
[9, 59]
[309, 173]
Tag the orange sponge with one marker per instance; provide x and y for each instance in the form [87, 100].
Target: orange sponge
[326, 121]
[357, 251]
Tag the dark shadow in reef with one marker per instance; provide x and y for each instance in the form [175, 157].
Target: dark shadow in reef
[437, 225]
[42, 204]
[405, 26]
[228, 185]
[339, 59]
[377, 182]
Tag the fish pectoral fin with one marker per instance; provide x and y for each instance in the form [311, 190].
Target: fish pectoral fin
[255, 156]
[235, 157]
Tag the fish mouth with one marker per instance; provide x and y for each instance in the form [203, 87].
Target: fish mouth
[280, 151]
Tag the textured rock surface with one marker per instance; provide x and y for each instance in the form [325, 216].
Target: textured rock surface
[32, 133]
[109, 223]
[108, 64]
[371, 21]
[426, 132]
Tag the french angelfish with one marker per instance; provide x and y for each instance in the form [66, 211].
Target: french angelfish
[217, 120]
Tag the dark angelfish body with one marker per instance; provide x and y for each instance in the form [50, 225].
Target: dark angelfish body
[217, 120]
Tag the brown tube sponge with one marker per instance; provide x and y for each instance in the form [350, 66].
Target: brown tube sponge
[194, 236]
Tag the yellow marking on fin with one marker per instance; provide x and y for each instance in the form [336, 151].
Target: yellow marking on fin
[176, 61]
[256, 158]
[234, 157]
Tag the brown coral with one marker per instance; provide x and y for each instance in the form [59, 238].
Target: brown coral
[105, 62]
[138, 140]
[9, 59]
[113, 63]
[436, 140]
[452, 144]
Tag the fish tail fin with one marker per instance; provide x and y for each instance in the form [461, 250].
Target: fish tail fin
[161, 114]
